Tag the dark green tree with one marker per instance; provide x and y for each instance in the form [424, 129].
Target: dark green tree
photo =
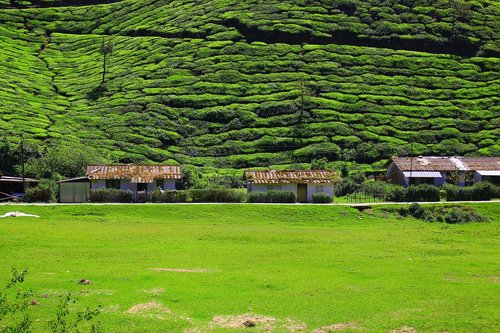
[106, 50]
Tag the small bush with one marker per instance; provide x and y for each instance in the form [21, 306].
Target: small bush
[272, 197]
[416, 210]
[463, 215]
[423, 192]
[110, 195]
[395, 193]
[438, 213]
[322, 198]
[37, 194]
[257, 197]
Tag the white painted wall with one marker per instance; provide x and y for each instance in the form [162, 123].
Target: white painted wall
[313, 188]
[126, 185]
[283, 187]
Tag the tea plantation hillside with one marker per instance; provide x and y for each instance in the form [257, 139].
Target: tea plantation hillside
[236, 84]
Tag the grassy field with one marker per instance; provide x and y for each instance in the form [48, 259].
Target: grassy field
[166, 268]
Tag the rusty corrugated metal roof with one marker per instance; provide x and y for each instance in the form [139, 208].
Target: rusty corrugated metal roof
[446, 163]
[134, 172]
[482, 163]
[424, 163]
[291, 176]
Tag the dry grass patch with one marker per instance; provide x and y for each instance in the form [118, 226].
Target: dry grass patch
[255, 322]
[180, 270]
[404, 329]
[334, 327]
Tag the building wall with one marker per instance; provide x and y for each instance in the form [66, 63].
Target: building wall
[264, 187]
[394, 175]
[126, 185]
[313, 188]
[74, 192]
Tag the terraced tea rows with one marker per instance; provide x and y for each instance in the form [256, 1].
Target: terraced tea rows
[237, 84]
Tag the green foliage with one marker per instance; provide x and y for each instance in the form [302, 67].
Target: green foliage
[477, 192]
[62, 160]
[66, 321]
[293, 79]
[14, 302]
[38, 194]
[159, 196]
[272, 197]
[15, 315]
[448, 214]
[217, 195]
[423, 192]
[319, 163]
[110, 195]
[322, 198]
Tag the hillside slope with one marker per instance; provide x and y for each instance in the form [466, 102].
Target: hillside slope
[234, 84]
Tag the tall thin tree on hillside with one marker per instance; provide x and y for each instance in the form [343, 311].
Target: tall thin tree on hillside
[106, 50]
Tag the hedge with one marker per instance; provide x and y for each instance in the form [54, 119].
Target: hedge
[37, 194]
[217, 195]
[272, 197]
[110, 195]
[477, 192]
[322, 198]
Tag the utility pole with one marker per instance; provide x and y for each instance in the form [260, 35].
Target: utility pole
[411, 163]
[22, 162]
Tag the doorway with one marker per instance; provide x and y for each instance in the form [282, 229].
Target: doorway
[302, 193]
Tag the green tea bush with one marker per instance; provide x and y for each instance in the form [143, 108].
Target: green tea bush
[322, 198]
[110, 195]
[272, 197]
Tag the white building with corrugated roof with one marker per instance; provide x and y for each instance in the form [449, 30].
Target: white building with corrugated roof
[437, 170]
[303, 182]
[139, 179]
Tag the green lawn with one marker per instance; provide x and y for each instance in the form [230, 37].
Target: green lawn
[300, 265]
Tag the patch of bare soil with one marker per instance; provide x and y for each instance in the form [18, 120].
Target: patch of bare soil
[404, 329]
[334, 327]
[154, 310]
[155, 291]
[255, 322]
[243, 321]
[180, 270]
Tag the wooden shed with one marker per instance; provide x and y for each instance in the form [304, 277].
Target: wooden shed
[11, 188]
[74, 190]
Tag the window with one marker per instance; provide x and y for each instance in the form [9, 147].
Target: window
[160, 183]
[142, 187]
[113, 183]
[320, 188]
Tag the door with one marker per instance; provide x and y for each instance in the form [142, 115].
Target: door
[302, 193]
[142, 192]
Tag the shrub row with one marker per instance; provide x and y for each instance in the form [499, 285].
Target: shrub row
[322, 198]
[272, 197]
[477, 192]
[457, 214]
[37, 194]
[110, 195]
